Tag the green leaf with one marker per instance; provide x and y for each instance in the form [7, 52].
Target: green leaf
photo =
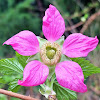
[9, 78]
[13, 86]
[64, 93]
[22, 59]
[2, 80]
[9, 66]
[3, 97]
[87, 67]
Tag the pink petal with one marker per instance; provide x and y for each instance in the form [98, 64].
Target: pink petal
[69, 75]
[35, 73]
[78, 45]
[25, 43]
[53, 24]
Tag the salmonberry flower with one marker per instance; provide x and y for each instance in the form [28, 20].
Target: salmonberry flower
[68, 73]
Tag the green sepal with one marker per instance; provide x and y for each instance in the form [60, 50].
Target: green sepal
[34, 57]
[41, 41]
[64, 58]
[60, 41]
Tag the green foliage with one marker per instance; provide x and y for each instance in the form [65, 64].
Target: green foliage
[3, 97]
[10, 66]
[2, 80]
[3, 5]
[22, 59]
[63, 6]
[8, 78]
[13, 85]
[25, 4]
[87, 67]
[64, 93]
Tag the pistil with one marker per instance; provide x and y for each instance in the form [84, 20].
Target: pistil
[50, 53]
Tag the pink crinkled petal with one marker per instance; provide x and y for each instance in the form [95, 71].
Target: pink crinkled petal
[69, 75]
[53, 24]
[35, 73]
[25, 43]
[78, 45]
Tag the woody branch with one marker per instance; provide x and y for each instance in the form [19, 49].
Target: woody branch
[9, 93]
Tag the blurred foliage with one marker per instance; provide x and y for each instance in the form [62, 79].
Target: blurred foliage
[4, 97]
[15, 16]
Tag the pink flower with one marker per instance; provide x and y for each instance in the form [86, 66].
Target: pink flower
[68, 73]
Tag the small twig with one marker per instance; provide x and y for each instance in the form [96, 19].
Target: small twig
[89, 21]
[85, 26]
[84, 11]
[74, 26]
[31, 91]
[9, 93]
[74, 30]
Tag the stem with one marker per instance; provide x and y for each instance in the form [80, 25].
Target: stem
[51, 71]
[31, 91]
[43, 86]
[52, 81]
[74, 26]
[89, 21]
[9, 93]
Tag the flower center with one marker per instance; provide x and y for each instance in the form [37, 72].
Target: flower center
[50, 53]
